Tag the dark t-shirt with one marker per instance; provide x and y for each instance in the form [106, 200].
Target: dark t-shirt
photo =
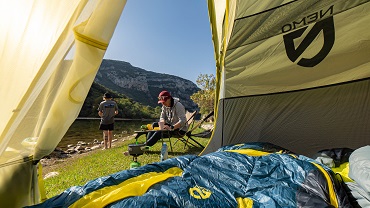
[108, 107]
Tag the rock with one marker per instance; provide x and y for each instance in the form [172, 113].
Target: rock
[70, 150]
[81, 143]
[79, 148]
[95, 147]
[207, 126]
[50, 175]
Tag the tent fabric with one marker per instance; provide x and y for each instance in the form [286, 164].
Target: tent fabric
[243, 175]
[51, 51]
[294, 73]
[290, 72]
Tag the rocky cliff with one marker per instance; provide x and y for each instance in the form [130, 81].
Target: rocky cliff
[144, 86]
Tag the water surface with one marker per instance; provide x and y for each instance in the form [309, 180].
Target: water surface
[87, 130]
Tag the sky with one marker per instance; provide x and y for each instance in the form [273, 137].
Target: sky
[165, 36]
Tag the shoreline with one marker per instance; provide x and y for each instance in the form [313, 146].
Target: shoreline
[59, 157]
[56, 159]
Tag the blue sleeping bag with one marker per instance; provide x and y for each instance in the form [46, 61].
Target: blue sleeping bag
[244, 175]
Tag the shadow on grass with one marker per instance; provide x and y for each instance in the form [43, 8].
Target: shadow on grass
[189, 151]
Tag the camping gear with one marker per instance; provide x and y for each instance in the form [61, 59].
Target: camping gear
[293, 73]
[166, 134]
[134, 163]
[205, 134]
[136, 149]
[243, 175]
[188, 141]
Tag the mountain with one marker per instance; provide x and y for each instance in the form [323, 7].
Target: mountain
[144, 86]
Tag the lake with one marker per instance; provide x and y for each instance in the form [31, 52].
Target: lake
[87, 130]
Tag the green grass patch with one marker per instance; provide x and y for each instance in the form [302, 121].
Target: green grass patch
[80, 169]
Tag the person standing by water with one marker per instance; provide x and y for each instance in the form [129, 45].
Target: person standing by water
[107, 110]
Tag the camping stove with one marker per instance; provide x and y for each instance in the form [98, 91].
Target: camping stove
[135, 149]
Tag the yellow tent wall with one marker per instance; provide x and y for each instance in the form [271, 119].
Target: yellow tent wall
[50, 53]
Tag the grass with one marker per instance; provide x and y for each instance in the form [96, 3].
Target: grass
[78, 170]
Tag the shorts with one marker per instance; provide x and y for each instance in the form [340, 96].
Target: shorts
[106, 127]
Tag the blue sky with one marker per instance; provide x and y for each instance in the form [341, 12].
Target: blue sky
[165, 36]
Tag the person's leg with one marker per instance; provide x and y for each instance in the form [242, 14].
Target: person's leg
[105, 139]
[110, 135]
[153, 137]
[110, 138]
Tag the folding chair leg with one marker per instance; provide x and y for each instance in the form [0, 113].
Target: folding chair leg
[169, 139]
[196, 142]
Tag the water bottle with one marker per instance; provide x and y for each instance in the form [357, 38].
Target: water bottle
[164, 151]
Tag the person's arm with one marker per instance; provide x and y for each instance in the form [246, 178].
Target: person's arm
[162, 120]
[180, 112]
[100, 112]
[116, 109]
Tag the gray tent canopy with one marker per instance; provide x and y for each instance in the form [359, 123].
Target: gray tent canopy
[292, 73]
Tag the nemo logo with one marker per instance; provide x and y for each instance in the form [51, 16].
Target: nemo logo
[200, 192]
[326, 27]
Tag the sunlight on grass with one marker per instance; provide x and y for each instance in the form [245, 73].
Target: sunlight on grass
[77, 171]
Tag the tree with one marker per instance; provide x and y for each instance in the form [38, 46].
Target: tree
[206, 96]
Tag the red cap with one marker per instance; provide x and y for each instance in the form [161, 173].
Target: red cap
[163, 96]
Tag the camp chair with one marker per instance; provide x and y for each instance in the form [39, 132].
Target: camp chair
[190, 122]
[205, 134]
[189, 140]
[167, 136]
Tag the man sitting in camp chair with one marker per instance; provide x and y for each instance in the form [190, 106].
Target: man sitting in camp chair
[172, 122]
[172, 119]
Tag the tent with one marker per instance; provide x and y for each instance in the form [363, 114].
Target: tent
[292, 73]
[50, 53]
